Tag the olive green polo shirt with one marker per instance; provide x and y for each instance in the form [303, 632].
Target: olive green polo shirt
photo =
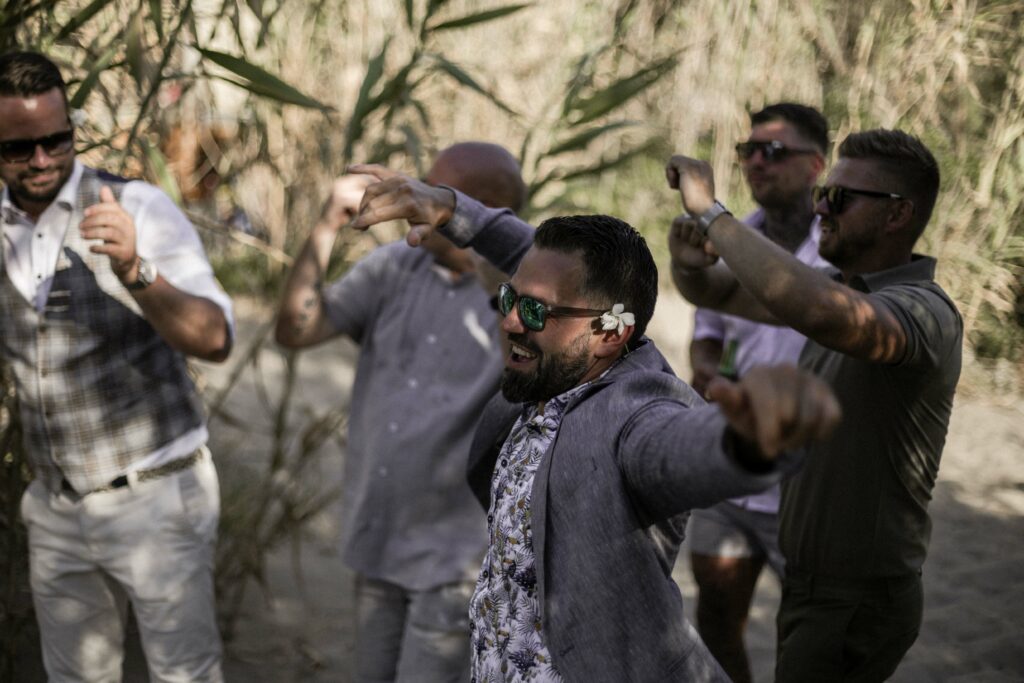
[859, 506]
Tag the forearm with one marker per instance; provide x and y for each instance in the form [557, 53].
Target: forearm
[704, 287]
[301, 320]
[190, 324]
[496, 234]
[675, 459]
[789, 291]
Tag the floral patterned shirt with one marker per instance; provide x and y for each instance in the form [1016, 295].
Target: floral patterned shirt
[508, 644]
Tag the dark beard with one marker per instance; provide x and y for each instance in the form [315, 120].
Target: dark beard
[20, 194]
[554, 376]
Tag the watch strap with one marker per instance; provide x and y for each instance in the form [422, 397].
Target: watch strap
[146, 276]
[705, 220]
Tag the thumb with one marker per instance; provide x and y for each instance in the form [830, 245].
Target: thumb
[417, 233]
[107, 195]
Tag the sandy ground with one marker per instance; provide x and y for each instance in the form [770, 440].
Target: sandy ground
[299, 630]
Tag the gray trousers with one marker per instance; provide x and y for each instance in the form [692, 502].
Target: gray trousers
[411, 636]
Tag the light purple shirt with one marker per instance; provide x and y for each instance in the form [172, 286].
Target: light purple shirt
[760, 344]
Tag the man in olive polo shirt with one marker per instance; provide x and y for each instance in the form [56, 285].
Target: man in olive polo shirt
[854, 524]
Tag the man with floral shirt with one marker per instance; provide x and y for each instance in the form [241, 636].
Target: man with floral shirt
[592, 455]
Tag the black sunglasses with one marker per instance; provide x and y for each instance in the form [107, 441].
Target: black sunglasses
[835, 196]
[19, 151]
[771, 150]
[535, 314]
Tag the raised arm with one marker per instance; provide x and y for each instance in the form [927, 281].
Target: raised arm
[705, 281]
[705, 355]
[788, 291]
[496, 234]
[191, 324]
[301, 320]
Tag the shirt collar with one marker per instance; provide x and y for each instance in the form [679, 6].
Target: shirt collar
[919, 268]
[555, 407]
[68, 194]
[65, 198]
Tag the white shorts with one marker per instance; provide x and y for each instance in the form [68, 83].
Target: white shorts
[727, 530]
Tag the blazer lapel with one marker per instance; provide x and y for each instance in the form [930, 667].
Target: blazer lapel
[538, 518]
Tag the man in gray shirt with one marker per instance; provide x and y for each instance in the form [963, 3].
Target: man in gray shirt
[429, 360]
[854, 523]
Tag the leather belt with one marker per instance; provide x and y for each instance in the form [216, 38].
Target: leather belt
[142, 475]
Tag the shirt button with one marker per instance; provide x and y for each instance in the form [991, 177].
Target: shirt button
[392, 427]
[490, 519]
[431, 338]
[413, 383]
[383, 471]
[39, 235]
[450, 294]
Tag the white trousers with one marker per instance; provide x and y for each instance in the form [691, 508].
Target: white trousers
[151, 543]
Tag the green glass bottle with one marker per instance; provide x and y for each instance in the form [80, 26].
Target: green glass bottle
[727, 366]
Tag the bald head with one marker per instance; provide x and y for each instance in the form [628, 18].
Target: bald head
[485, 172]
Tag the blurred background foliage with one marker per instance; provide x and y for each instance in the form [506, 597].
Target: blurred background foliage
[244, 110]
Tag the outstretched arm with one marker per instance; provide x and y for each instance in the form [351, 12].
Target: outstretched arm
[677, 458]
[786, 290]
[776, 408]
[301, 320]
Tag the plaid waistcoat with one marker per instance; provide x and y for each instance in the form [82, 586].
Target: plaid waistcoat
[98, 388]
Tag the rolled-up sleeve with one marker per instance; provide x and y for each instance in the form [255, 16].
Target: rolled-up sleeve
[165, 236]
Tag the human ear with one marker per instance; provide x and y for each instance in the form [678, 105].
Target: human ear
[612, 342]
[901, 214]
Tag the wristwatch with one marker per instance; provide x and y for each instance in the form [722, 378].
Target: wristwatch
[147, 276]
[705, 220]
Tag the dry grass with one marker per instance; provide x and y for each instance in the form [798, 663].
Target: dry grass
[949, 71]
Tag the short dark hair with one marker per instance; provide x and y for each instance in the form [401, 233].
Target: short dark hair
[24, 74]
[618, 265]
[908, 165]
[808, 121]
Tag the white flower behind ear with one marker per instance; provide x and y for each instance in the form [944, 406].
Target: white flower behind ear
[617, 319]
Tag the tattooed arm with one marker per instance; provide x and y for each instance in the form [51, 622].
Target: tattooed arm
[301, 320]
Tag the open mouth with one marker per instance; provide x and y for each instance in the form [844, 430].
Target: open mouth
[519, 354]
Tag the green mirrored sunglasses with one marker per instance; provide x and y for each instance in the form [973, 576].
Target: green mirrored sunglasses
[534, 313]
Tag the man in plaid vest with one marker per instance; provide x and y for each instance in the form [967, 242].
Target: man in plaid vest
[104, 290]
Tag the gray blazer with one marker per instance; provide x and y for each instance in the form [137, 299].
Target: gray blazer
[634, 453]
